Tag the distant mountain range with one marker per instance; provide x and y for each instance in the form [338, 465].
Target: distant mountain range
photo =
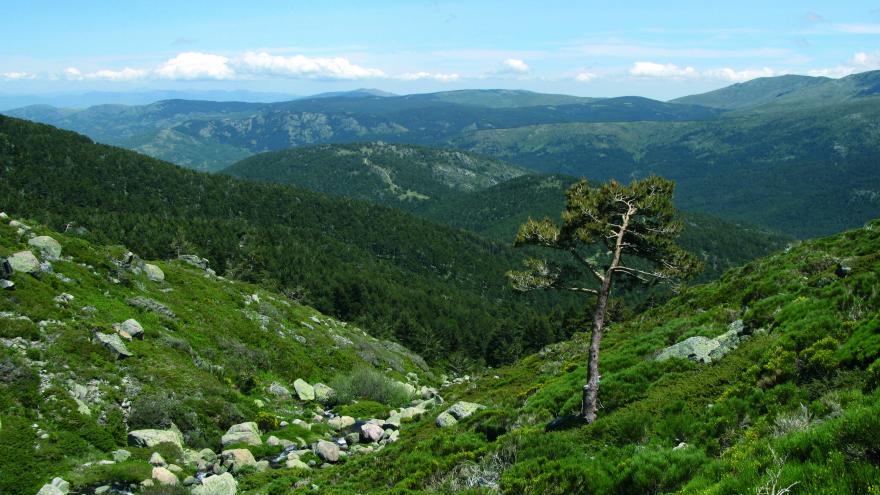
[765, 152]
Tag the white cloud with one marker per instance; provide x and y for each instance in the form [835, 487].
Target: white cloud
[728, 74]
[515, 66]
[15, 76]
[126, 74]
[860, 62]
[585, 76]
[73, 74]
[436, 76]
[263, 63]
[652, 69]
[196, 65]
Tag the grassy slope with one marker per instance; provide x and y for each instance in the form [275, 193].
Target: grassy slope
[202, 370]
[820, 332]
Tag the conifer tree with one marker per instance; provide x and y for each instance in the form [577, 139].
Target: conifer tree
[609, 231]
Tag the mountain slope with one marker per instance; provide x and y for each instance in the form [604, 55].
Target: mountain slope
[166, 129]
[213, 353]
[770, 169]
[760, 91]
[435, 288]
[789, 90]
[408, 177]
[796, 398]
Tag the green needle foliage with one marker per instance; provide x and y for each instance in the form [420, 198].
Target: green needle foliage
[635, 221]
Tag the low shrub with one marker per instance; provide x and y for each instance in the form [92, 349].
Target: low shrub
[367, 383]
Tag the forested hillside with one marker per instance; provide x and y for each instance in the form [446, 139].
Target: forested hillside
[412, 178]
[439, 290]
[765, 168]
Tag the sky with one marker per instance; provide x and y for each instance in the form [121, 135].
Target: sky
[590, 48]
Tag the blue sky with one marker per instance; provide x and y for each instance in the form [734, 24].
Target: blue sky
[655, 49]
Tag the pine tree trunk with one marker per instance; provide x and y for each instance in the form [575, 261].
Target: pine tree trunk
[589, 403]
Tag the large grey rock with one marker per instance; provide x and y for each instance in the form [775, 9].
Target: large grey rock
[371, 433]
[303, 390]
[693, 348]
[114, 344]
[150, 438]
[164, 477]
[327, 451]
[340, 422]
[279, 390]
[706, 350]
[194, 260]
[223, 484]
[153, 272]
[297, 464]
[120, 455]
[238, 459]
[47, 245]
[445, 420]
[461, 409]
[247, 433]
[24, 262]
[323, 393]
[58, 486]
[129, 329]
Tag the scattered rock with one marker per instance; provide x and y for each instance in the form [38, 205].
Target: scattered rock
[164, 476]
[248, 433]
[237, 459]
[58, 486]
[223, 484]
[371, 433]
[704, 349]
[680, 446]
[151, 305]
[693, 348]
[279, 390]
[303, 390]
[445, 420]
[101, 490]
[24, 262]
[157, 460]
[129, 329]
[327, 451]
[63, 299]
[121, 455]
[194, 260]
[7, 284]
[150, 438]
[340, 422]
[112, 342]
[47, 245]
[153, 272]
[297, 464]
[323, 393]
[457, 412]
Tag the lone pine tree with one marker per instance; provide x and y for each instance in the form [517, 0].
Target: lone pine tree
[609, 230]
